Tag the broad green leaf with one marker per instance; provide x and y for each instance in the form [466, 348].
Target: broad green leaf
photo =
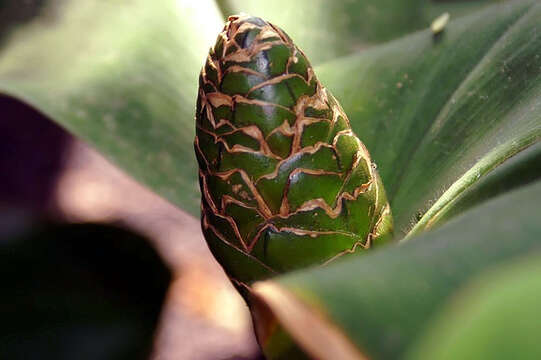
[451, 120]
[378, 304]
[495, 317]
[472, 189]
[122, 75]
[129, 88]
[327, 29]
[439, 113]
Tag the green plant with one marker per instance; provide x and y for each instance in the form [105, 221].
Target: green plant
[452, 121]
[285, 183]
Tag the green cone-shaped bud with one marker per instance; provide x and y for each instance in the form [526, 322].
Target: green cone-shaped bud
[285, 182]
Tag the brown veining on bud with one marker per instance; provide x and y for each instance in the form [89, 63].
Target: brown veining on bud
[285, 182]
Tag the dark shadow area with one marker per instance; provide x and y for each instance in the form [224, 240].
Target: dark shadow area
[18, 12]
[68, 291]
[32, 154]
[79, 291]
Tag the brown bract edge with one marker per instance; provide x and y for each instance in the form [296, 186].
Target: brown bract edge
[309, 327]
[268, 37]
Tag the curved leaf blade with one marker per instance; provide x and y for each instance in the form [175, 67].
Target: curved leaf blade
[495, 317]
[429, 108]
[384, 300]
[128, 87]
[494, 174]
[121, 92]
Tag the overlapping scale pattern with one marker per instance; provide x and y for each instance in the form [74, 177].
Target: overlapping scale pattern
[285, 182]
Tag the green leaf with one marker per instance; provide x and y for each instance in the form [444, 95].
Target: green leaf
[129, 89]
[122, 75]
[439, 113]
[473, 188]
[454, 117]
[384, 300]
[495, 317]
[327, 29]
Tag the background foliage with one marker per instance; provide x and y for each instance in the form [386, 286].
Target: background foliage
[451, 120]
